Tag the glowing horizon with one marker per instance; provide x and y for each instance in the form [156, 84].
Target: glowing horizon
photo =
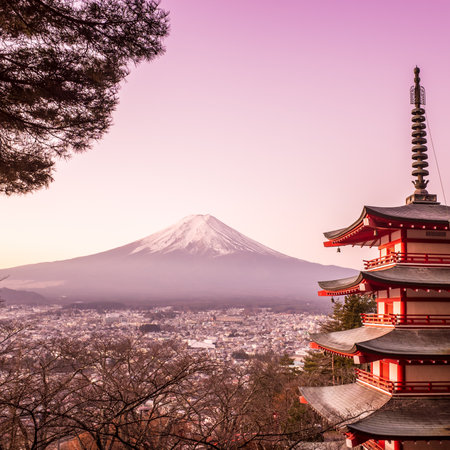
[282, 121]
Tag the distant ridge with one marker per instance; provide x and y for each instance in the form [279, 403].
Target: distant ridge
[199, 257]
[21, 297]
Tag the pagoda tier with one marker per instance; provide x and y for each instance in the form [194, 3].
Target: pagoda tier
[375, 223]
[404, 276]
[362, 413]
[375, 343]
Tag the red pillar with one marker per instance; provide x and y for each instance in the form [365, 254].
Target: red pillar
[403, 308]
[400, 375]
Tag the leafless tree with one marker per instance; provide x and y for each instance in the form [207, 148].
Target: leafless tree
[111, 394]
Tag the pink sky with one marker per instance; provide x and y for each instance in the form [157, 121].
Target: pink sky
[282, 119]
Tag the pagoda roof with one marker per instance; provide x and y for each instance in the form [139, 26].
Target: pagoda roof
[408, 418]
[397, 276]
[420, 212]
[365, 410]
[346, 341]
[345, 403]
[414, 343]
[392, 342]
[387, 219]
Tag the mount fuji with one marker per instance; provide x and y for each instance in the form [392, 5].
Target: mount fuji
[201, 235]
[198, 258]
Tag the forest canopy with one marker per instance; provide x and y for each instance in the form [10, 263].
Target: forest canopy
[61, 64]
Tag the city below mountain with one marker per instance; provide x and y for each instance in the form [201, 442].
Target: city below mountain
[199, 259]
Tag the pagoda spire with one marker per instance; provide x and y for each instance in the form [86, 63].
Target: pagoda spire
[419, 149]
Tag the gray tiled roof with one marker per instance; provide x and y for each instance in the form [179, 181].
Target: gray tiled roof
[344, 404]
[408, 418]
[345, 341]
[394, 342]
[400, 274]
[414, 211]
[358, 408]
[413, 343]
[342, 283]
[423, 213]
[412, 275]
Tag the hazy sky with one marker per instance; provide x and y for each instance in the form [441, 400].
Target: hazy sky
[281, 118]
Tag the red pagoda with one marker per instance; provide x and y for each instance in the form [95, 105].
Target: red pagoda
[402, 400]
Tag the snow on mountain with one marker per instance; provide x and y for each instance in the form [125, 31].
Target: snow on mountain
[201, 235]
[197, 258]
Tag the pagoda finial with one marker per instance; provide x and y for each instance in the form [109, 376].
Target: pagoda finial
[419, 149]
[417, 91]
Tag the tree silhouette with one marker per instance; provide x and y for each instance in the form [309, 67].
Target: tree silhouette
[61, 64]
[347, 314]
[112, 392]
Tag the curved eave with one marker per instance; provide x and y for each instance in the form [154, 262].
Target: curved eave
[345, 342]
[360, 231]
[407, 419]
[344, 404]
[386, 219]
[373, 343]
[336, 234]
[400, 275]
[342, 286]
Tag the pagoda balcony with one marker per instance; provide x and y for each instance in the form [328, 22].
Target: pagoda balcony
[383, 384]
[408, 258]
[372, 445]
[407, 320]
[403, 387]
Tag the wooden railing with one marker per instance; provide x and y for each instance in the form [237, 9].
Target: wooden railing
[374, 380]
[408, 258]
[436, 320]
[379, 319]
[422, 387]
[403, 387]
[372, 445]
[392, 258]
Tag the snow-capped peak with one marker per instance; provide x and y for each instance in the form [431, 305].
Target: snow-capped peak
[201, 235]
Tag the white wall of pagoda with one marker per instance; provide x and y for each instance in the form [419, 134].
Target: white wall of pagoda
[394, 372]
[376, 368]
[391, 445]
[411, 372]
[412, 301]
